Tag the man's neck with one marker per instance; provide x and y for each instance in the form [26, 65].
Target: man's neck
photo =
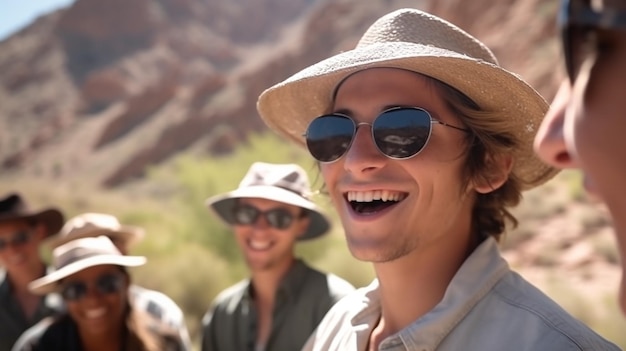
[266, 282]
[413, 285]
[20, 280]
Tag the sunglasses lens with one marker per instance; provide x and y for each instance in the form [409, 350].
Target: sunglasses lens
[21, 238]
[110, 283]
[105, 284]
[18, 239]
[279, 218]
[74, 291]
[245, 215]
[402, 133]
[329, 137]
[579, 36]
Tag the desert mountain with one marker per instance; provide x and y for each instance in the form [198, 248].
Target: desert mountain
[103, 89]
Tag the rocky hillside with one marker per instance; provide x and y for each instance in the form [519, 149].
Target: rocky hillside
[102, 90]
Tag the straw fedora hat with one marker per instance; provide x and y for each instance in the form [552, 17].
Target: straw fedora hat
[14, 207]
[80, 254]
[95, 224]
[286, 183]
[420, 42]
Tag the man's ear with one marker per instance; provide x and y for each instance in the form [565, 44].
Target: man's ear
[41, 230]
[496, 173]
[303, 224]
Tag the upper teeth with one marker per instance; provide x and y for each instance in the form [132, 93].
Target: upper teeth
[369, 196]
[95, 313]
[259, 245]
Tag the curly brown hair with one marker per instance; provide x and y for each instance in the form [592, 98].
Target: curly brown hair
[491, 138]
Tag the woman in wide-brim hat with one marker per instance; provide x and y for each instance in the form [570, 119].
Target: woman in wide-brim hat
[92, 278]
[162, 309]
[424, 142]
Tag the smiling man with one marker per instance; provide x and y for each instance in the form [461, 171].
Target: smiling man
[284, 299]
[21, 232]
[424, 143]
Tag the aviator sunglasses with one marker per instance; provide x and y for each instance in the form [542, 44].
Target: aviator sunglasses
[278, 218]
[18, 239]
[399, 133]
[105, 284]
[579, 24]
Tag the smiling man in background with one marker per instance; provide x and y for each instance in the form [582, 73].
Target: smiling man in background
[21, 232]
[284, 299]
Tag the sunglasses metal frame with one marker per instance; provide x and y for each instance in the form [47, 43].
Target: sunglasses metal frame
[116, 282]
[19, 238]
[578, 13]
[359, 124]
[266, 214]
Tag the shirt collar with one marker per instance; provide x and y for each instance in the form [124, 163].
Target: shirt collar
[5, 285]
[290, 285]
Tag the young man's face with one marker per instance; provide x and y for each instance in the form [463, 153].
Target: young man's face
[428, 209]
[587, 120]
[19, 250]
[264, 245]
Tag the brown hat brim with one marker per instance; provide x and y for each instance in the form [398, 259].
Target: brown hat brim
[51, 218]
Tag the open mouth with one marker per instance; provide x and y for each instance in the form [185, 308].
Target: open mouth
[368, 202]
[258, 245]
[95, 313]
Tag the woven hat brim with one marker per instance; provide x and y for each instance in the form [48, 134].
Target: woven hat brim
[289, 106]
[223, 206]
[48, 283]
[131, 235]
[51, 218]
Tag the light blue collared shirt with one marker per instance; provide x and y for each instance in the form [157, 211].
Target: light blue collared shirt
[486, 307]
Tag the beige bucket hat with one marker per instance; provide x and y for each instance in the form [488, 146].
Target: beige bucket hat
[80, 254]
[286, 183]
[420, 42]
[95, 224]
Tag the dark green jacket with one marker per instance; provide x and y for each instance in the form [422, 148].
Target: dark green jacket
[304, 297]
[13, 322]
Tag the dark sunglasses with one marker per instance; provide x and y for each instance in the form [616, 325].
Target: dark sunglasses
[105, 284]
[18, 239]
[278, 218]
[578, 23]
[399, 133]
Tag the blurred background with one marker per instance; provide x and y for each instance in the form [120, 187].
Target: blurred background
[145, 108]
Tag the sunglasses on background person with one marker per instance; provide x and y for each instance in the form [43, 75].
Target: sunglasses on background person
[18, 239]
[105, 284]
[399, 133]
[579, 24]
[278, 218]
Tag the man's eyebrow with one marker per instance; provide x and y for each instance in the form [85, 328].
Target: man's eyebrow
[348, 112]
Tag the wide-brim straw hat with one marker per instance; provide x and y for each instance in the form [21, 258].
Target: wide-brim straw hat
[95, 224]
[14, 207]
[413, 40]
[286, 183]
[77, 255]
